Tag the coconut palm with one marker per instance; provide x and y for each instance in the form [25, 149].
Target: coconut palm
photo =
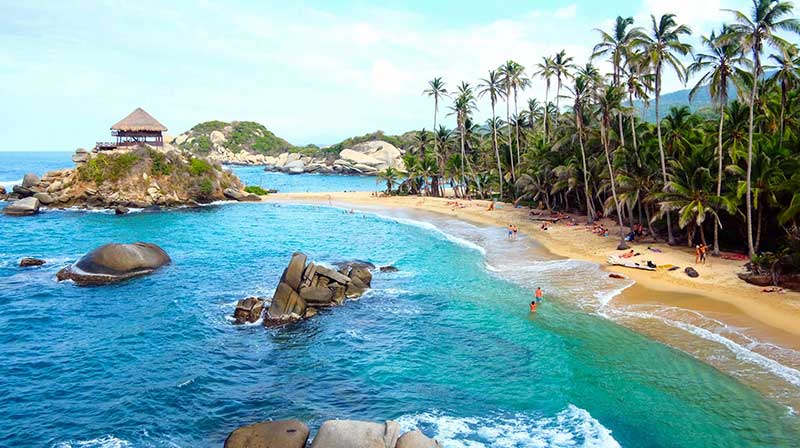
[493, 86]
[581, 94]
[608, 101]
[786, 78]
[754, 32]
[545, 71]
[437, 90]
[719, 67]
[662, 47]
[390, 175]
[690, 192]
[562, 65]
[513, 78]
[618, 46]
[463, 106]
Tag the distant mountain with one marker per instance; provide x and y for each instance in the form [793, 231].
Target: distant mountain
[701, 100]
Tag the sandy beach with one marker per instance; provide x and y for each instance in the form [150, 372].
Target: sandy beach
[772, 317]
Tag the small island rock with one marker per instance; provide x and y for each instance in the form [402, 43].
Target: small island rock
[28, 262]
[248, 310]
[115, 262]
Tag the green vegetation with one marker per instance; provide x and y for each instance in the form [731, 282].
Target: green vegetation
[731, 169]
[206, 187]
[198, 167]
[105, 167]
[255, 189]
[159, 163]
[352, 141]
[202, 144]
[208, 127]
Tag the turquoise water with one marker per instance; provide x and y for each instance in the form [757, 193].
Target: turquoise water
[286, 183]
[443, 345]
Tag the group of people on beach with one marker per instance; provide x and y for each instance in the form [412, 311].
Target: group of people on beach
[512, 231]
[599, 229]
[700, 253]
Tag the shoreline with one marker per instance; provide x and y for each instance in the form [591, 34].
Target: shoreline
[718, 292]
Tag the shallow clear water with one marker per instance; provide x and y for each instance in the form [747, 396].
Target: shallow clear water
[287, 183]
[444, 345]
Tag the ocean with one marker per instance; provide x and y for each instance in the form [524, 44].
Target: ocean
[446, 344]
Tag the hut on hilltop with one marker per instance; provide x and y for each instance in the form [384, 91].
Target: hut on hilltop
[137, 128]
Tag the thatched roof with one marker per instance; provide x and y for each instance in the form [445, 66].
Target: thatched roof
[139, 120]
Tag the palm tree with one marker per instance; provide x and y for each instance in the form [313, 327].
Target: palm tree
[462, 107]
[609, 102]
[638, 83]
[493, 86]
[753, 32]
[390, 175]
[436, 89]
[580, 94]
[719, 67]
[513, 78]
[562, 64]
[545, 71]
[662, 47]
[618, 45]
[786, 77]
[689, 191]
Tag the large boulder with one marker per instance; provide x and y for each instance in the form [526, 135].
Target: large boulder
[293, 274]
[115, 262]
[280, 434]
[22, 192]
[356, 434]
[360, 281]
[317, 295]
[248, 310]
[359, 158]
[30, 180]
[217, 137]
[44, 198]
[240, 195]
[23, 207]
[416, 439]
[80, 156]
[286, 305]
[294, 167]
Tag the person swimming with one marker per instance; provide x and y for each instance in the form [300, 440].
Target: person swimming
[533, 306]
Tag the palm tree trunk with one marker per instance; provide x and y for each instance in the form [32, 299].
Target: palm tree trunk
[496, 150]
[463, 156]
[622, 245]
[516, 123]
[750, 248]
[544, 116]
[633, 131]
[510, 143]
[783, 110]
[670, 237]
[589, 209]
[715, 252]
[758, 228]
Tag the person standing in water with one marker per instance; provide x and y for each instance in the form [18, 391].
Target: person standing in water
[539, 294]
[533, 306]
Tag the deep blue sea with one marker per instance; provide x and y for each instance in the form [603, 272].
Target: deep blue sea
[446, 344]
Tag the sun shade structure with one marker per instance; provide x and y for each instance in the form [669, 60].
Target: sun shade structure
[137, 128]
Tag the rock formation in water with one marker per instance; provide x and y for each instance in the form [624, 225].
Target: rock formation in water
[113, 262]
[29, 262]
[139, 177]
[367, 158]
[332, 434]
[304, 288]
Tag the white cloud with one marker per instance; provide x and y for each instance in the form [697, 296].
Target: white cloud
[567, 12]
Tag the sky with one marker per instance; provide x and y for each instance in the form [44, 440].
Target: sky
[312, 72]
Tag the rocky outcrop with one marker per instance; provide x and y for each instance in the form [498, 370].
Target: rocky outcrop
[306, 287]
[356, 434]
[22, 207]
[115, 262]
[278, 434]
[368, 159]
[137, 177]
[240, 195]
[29, 262]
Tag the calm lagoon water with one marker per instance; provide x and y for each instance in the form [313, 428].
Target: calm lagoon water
[445, 344]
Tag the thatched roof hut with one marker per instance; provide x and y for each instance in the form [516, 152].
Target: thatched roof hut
[139, 121]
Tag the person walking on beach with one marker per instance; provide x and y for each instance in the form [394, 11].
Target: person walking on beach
[703, 253]
[510, 231]
[539, 294]
[514, 229]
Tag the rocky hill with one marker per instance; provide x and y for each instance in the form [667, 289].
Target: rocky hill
[137, 177]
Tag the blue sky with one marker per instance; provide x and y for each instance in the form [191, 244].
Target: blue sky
[312, 72]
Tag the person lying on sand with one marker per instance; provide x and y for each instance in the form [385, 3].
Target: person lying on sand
[628, 254]
[774, 289]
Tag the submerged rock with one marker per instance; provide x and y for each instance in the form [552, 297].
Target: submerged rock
[23, 207]
[121, 210]
[115, 262]
[279, 434]
[388, 269]
[356, 434]
[27, 262]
